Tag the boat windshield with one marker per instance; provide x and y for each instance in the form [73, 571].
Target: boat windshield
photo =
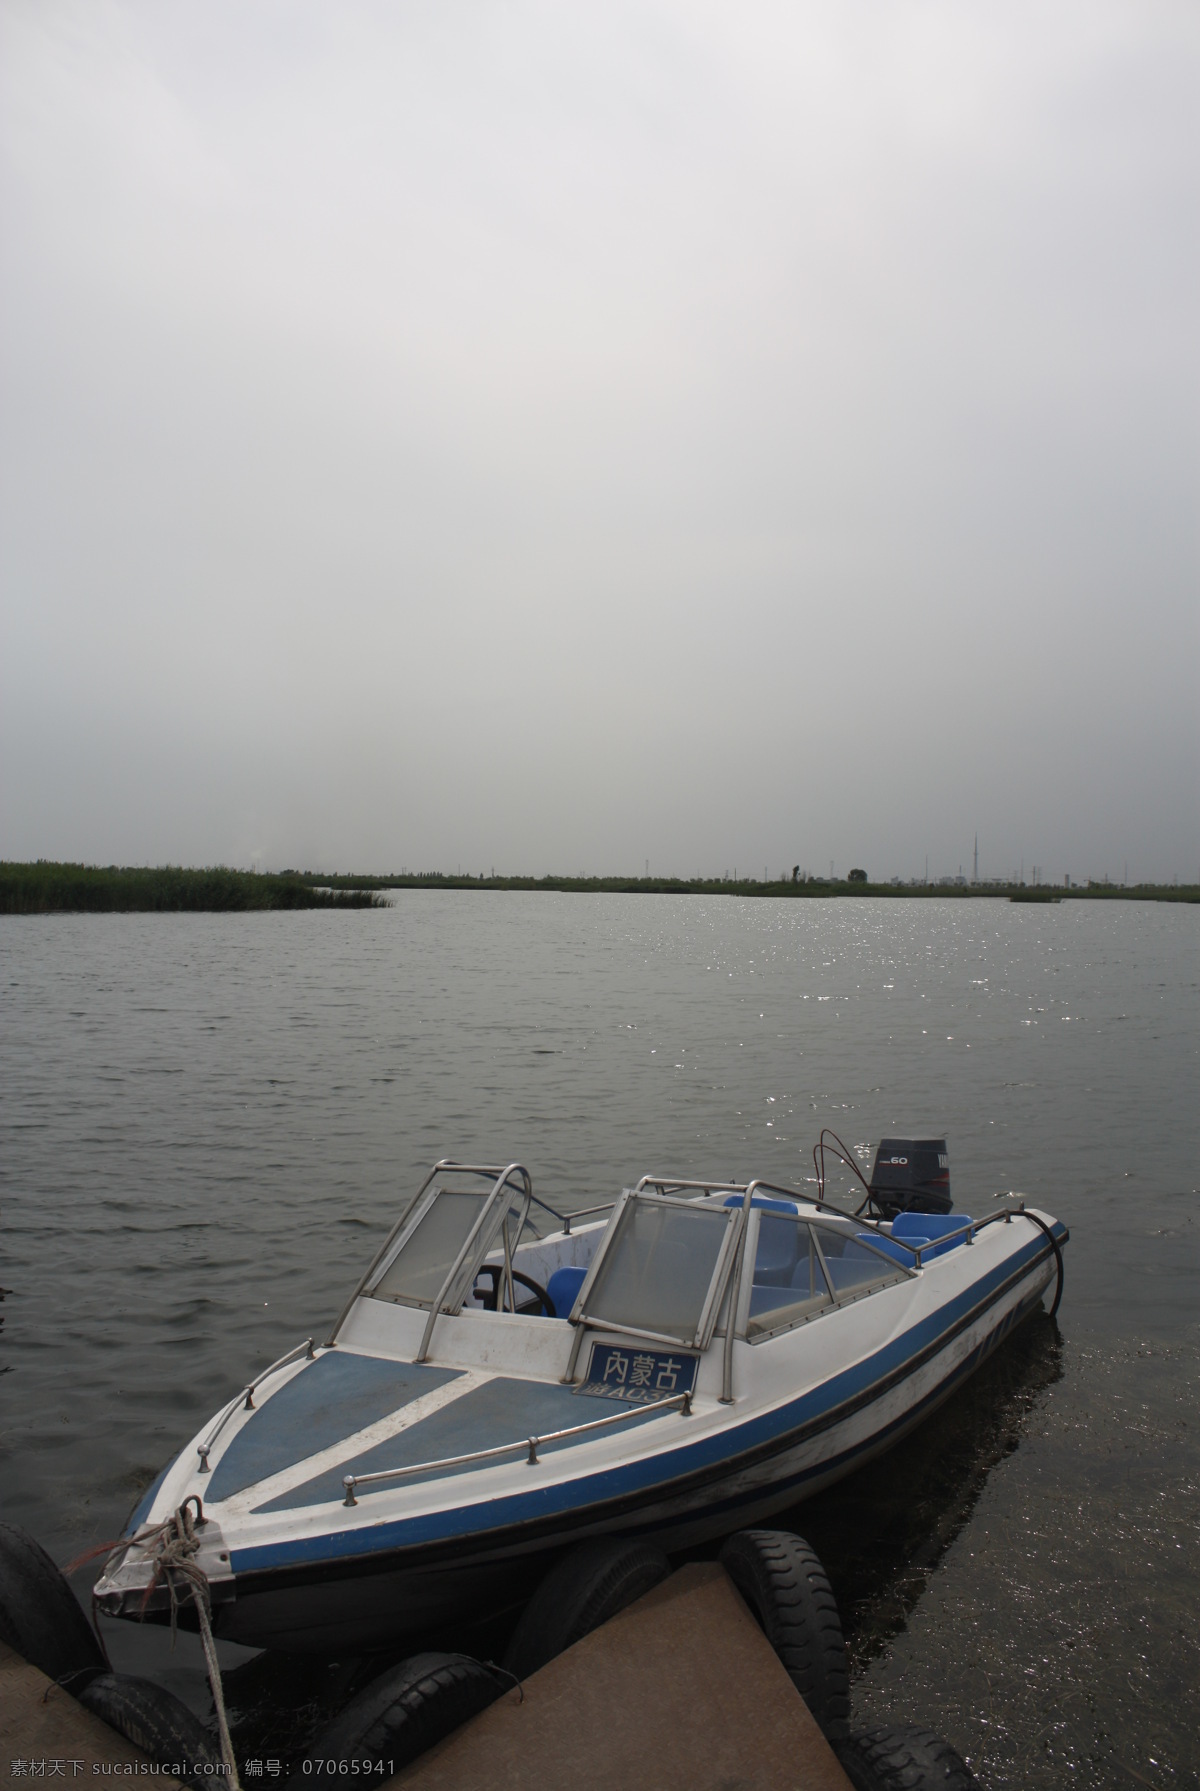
[802, 1269]
[428, 1249]
[661, 1267]
[852, 1266]
[789, 1278]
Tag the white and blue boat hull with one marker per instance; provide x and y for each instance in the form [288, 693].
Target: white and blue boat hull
[291, 1565]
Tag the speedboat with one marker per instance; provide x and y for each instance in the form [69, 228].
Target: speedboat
[507, 1380]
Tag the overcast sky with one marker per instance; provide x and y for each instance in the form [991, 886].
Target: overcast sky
[553, 437]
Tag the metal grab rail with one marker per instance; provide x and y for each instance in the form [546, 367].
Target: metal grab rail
[546, 1207]
[584, 1212]
[247, 1397]
[352, 1482]
[566, 1220]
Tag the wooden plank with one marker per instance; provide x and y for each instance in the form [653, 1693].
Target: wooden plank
[41, 1723]
[681, 1692]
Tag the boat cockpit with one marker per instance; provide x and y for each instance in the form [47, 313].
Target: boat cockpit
[662, 1265]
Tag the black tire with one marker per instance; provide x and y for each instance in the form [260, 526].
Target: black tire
[886, 1759]
[399, 1715]
[40, 1616]
[156, 1721]
[785, 1586]
[587, 1587]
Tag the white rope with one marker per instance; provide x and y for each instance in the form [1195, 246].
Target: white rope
[175, 1545]
[214, 1680]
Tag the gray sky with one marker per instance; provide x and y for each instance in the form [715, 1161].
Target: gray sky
[552, 437]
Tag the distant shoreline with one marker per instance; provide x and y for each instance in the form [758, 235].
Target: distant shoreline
[48, 888]
[811, 888]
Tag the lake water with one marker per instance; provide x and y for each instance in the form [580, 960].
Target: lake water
[208, 1121]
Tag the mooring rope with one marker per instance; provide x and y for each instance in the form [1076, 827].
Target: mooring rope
[174, 1545]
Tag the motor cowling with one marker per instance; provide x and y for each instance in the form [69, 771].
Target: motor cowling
[911, 1175]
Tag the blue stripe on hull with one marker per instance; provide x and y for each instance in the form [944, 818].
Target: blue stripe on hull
[650, 1479]
[791, 1488]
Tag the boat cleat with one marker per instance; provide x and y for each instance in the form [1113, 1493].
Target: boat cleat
[132, 1585]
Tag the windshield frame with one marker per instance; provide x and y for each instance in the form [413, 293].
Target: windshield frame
[515, 1179]
[416, 1219]
[891, 1273]
[723, 1266]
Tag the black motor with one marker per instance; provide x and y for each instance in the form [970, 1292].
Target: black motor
[911, 1175]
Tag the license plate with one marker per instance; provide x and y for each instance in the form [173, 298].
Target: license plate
[637, 1376]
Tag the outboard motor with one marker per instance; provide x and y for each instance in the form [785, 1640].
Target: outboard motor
[911, 1175]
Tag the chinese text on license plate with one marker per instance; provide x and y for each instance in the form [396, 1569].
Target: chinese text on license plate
[638, 1376]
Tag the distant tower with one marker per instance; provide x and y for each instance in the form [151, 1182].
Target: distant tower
[975, 878]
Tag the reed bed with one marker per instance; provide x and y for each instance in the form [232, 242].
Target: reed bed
[47, 888]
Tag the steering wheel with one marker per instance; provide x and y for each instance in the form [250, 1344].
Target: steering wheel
[491, 1297]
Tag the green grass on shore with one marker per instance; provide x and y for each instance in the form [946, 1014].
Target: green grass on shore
[45, 888]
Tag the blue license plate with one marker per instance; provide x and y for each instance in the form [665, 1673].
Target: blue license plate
[637, 1376]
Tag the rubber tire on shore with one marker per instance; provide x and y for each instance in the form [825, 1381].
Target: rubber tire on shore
[399, 1715]
[887, 1759]
[156, 1721]
[40, 1616]
[784, 1583]
[583, 1590]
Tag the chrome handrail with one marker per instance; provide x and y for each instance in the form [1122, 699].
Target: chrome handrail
[966, 1231]
[584, 1212]
[674, 1182]
[533, 1443]
[668, 1184]
[546, 1207]
[246, 1395]
[566, 1220]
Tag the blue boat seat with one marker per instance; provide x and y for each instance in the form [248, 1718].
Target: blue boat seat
[563, 1288]
[931, 1226]
[807, 1279]
[897, 1251]
[778, 1241]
